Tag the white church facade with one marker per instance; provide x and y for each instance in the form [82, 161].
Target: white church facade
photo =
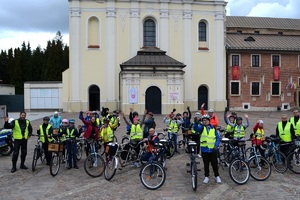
[159, 55]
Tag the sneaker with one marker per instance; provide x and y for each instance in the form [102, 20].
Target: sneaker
[218, 180]
[199, 156]
[206, 179]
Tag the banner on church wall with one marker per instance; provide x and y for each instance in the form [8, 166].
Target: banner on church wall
[133, 95]
[174, 96]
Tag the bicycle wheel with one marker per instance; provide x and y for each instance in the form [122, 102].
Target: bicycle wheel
[170, 149]
[54, 164]
[294, 162]
[79, 152]
[125, 140]
[161, 135]
[34, 160]
[152, 176]
[239, 171]
[279, 162]
[194, 175]
[94, 165]
[249, 153]
[110, 168]
[260, 168]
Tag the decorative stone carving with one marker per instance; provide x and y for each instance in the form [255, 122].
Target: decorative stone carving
[187, 14]
[110, 12]
[175, 20]
[164, 14]
[134, 13]
[123, 20]
[75, 12]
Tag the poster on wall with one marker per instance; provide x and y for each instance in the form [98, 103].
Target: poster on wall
[174, 96]
[133, 95]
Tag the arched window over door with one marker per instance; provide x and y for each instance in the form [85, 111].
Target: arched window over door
[94, 97]
[202, 97]
[153, 100]
[149, 33]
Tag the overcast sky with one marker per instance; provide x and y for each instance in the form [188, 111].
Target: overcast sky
[37, 21]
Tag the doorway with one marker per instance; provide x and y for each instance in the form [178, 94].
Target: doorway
[153, 100]
[202, 97]
[94, 98]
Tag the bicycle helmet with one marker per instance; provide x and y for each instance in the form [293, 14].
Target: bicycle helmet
[46, 118]
[64, 121]
[206, 117]
[135, 113]
[178, 114]
[10, 120]
[72, 121]
[239, 118]
[105, 119]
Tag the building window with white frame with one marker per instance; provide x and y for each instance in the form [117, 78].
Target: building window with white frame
[255, 88]
[275, 60]
[275, 88]
[255, 60]
[235, 60]
[149, 33]
[235, 88]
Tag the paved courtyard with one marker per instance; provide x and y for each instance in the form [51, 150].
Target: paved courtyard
[76, 184]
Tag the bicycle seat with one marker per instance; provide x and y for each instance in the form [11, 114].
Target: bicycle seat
[224, 140]
[165, 129]
[271, 139]
[163, 141]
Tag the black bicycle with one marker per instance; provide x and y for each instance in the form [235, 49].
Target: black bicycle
[38, 153]
[192, 146]
[293, 157]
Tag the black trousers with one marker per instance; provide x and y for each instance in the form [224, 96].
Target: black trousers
[19, 143]
[210, 158]
[48, 154]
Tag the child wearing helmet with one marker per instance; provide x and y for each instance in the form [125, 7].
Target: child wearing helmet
[239, 127]
[209, 144]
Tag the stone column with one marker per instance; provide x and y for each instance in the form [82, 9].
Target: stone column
[164, 27]
[135, 29]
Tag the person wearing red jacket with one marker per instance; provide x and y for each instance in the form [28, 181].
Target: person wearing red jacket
[213, 117]
[92, 130]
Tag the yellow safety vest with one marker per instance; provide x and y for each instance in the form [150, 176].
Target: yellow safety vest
[70, 134]
[285, 134]
[259, 134]
[173, 127]
[136, 132]
[98, 122]
[17, 133]
[208, 140]
[61, 139]
[229, 129]
[42, 134]
[296, 126]
[107, 134]
[239, 133]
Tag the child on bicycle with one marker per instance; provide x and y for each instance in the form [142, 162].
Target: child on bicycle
[149, 144]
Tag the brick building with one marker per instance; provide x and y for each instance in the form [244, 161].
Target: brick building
[263, 63]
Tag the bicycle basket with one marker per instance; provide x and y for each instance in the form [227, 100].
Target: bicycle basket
[111, 149]
[55, 147]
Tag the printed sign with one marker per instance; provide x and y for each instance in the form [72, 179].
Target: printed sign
[133, 95]
[174, 96]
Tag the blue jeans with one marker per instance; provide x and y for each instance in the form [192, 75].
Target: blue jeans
[174, 136]
[71, 148]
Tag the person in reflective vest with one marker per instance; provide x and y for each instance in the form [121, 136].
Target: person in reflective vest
[229, 130]
[149, 144]
[258, 136]
[195, 135]
[45, 132]
[239, 128]
[296, 122]
[285, 131]
[71, 134]
[209, 143]
[106, 132]
[174, 122]
[22, 130]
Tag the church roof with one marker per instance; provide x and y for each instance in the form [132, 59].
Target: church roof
[152, 57]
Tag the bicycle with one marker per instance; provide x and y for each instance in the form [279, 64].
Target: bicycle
[260, 166]
[56, 148]
[293, 157]
[80, 142]
[120, 155]
[94, 164]
[274, 156]
[153, 174]
[169, 143]
[193, 164]
[38, 152]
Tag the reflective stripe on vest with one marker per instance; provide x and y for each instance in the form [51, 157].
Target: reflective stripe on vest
[173, 127]
[108, 137]
[70, 134]
[17, 133]
[259, 134]
[208, 140]
[239, 133]
[285, 134]
[136, 132]
[61, 139]
[229, 129]
[296, 126]
[42, 134]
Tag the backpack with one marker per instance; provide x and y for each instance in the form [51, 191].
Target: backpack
[153, 125]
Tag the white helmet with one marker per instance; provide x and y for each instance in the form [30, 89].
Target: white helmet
[10, 120]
